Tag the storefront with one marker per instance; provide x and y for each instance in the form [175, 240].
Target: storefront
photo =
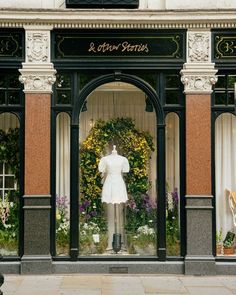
[147, 90]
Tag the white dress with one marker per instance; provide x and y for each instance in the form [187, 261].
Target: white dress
[114, 189]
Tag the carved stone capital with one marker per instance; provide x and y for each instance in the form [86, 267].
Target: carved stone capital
[40, 81]
[198, 47]
[198, 83]
[37, 46]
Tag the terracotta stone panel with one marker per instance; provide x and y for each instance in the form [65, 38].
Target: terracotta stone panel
[37, 143]
[198, 144]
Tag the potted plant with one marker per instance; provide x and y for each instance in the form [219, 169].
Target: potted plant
[229, 243]
[219, 242]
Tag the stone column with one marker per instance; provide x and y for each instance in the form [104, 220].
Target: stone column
[198, 76]
[38, 76]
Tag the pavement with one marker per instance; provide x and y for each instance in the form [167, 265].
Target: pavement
[81, 284]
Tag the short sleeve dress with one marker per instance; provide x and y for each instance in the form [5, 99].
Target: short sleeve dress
[114, 189]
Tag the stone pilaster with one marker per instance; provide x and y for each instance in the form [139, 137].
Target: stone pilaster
[198, 76]
[38, 76]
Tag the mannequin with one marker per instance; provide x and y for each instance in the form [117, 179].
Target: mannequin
[114, 192]
[114, 189]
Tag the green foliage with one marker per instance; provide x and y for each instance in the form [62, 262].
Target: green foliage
[9, 150]
[229, 240]
[134, 144]
[9, 221]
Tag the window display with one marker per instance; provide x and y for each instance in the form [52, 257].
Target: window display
[114, 113]
[225, 164]
[9, 184]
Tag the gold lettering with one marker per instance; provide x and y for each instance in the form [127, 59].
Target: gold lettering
[122, 47]
[92, 47]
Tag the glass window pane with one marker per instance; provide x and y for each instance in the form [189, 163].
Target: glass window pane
[172, 81]
[63, 81]
[14, 97]
[172, 97]
[231, 81]
[1, 181]
[225, 184]
[231, 98]
[172, 185]
[110, 223]
[7, 169]
[62, 184]
[13, 81]
[2, 97]
[63, 97]
[1, 168]
[220, 98]
[221, 83]
[9, 181]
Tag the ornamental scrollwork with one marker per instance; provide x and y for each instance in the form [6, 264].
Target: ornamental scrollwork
[37, 47]
[38, 83]
[198, 83]
[198, 47]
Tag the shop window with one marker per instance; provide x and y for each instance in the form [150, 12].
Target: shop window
[172, 185]
[62, 184]
[9, 184]
[225, 182]
[173, 89]
[10, 89]
[224, 90]
[116, 115]
[63, 89]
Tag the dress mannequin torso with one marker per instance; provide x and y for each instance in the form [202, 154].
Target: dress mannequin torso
[114, 189]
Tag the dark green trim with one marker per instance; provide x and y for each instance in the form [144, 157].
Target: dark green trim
[74, 192]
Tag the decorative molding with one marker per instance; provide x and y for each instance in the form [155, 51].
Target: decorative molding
[37, 46]
[38, 74]
[37, 80]
[114, 19]
[198, 82]
[199, 47]
[198, 74]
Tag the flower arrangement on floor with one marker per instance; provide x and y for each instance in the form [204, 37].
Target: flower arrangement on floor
[62, 225]
[172, 223]
[92, 239]
[9, 223]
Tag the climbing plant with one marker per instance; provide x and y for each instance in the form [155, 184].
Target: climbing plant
[134, 144]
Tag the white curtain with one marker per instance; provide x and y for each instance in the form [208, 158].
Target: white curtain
[8, 120]
[63, 155]
[225, 167]
[172, 151]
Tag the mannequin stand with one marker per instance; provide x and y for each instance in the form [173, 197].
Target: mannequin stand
[116, 242]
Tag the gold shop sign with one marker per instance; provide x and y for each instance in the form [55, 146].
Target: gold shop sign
[118, 44]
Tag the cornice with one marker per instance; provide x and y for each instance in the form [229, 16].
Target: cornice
[119, 19]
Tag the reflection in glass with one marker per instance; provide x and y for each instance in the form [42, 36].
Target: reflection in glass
[62, 184]
[9, 184]
[172, 185]
[116, 115]
[225, 182]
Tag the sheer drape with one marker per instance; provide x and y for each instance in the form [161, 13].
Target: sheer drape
[8, 120]
[225, 167]
[172, 151]
[63, 155]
